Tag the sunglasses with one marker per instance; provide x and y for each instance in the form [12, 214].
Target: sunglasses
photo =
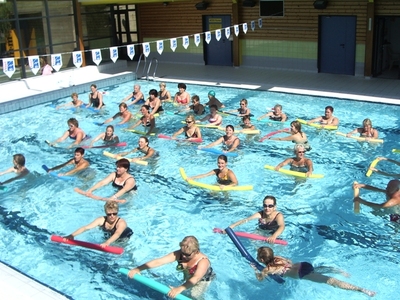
[188, 122]
[268, 205]
[111, 214]
[186, 254]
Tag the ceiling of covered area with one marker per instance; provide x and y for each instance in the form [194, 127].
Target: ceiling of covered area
[97, 2]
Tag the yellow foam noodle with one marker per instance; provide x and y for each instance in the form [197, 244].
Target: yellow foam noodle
[139, 162]
[293, 173]
[139, 132]
[248, 131]
[328, 127]
[356, 208]
[213, 187]
[360, 138]
[372, 165]
[396, 150]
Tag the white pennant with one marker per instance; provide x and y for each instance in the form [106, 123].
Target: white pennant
[130, 49]
[208, 37]
[96, 56]
[114, 54]
[160, 47]
[218, 34]
[77, 58]
[146, 49]
[197, 39]
[244, 27]
[185, 41]
[253, 25]
[8, 66]
[34, 63]
[173, 44]
[227, 32]
[56, 61]
[236, 29]
[259, 23]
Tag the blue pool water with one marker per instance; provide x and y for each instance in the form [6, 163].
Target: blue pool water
[320, 224]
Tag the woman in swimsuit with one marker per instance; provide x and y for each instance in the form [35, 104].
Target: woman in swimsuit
[247, 123]
[136, 96]
[95, 98]
[366, 131]
[182, 97]
[121, 179]
[299, 163]
[74, 103]
[154, 102]
[243, 110]
[225, 176]
[192, 132]
[327, 119]
[194, 264]
[18, 168]
[230, 141]
[296, 135]
[123, 113]
[74, 133]
[143, 148]
[213, 118]
[163, 94]
[108, 136]
[114, 227]
[268, 219]
[147, 120]
[285, 268]
[275, 115]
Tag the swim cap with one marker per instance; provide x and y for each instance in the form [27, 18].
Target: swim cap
[392, 187]
[211, 93]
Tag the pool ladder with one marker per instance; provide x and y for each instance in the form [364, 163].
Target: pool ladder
[149, 65]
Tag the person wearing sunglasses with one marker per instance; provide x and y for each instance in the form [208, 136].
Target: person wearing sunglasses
[192, 132]
[194, 265]
[269, 219]
[114, 227]
[18, 168]
[299, 163]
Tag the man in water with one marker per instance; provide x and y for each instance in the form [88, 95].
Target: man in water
[78, 162]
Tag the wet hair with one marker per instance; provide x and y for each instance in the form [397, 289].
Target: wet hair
[153, 92]
[266, 255]
[145, 138]
[74, 95]
[19, 159]
[297, 147]
[146, 107]
[278, 106]
[190, 244]
[246, 117]
[111, 205]
[123, 105]
[329, 107]
[80, 150]
[73, 121]
[182, 85]
[196, 98]
[110, 126]
[244, 100]
[214, 106]
[367, 122]
[163, 84]
[190, 117]
[223, 157]
[270, 198]
[93, 85]
[123, 163]
[231, 127]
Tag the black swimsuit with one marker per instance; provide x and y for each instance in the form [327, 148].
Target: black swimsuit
[110, 232]
[95, 101]
[121, 186]
[270, 226]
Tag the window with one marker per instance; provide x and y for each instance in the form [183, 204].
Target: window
[271, 8]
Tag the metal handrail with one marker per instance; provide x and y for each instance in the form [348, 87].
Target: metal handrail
[155, 69]
[138, 65]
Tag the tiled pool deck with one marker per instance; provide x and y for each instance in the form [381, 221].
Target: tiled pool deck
[24, 93]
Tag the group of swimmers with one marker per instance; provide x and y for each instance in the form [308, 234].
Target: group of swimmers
[195, 265]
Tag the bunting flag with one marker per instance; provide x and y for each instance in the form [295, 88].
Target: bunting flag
[160, 47]
[146, 49]
[236, 29]
[77, 58]
[227, 32]
[96, 56]
[259, 23]
[253, 25]
[218, 34]
[34, 63]
[56, 61]
[114, 54]
[130, 49]
[9, 66]
[185, 41]
[244, 28]
[197, 39]
[173, 44]
[208, 37]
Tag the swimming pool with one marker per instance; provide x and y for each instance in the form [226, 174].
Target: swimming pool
[320, 224]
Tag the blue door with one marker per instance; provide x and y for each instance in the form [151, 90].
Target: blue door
[337, 44]
[218, 53]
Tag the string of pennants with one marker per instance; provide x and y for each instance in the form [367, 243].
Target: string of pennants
[56, 59]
